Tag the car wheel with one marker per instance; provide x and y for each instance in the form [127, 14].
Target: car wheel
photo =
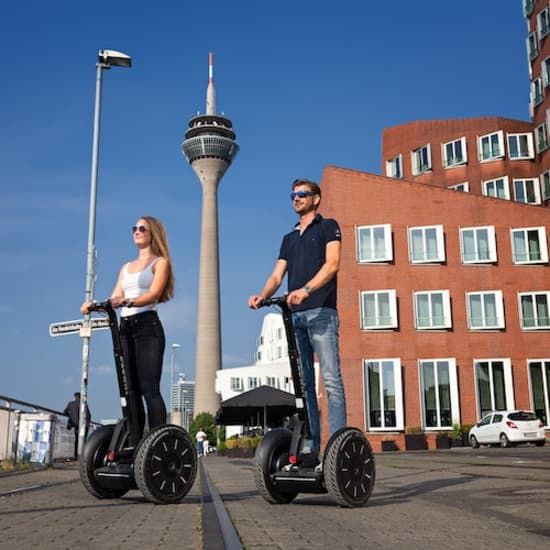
[504, 441]
[474, 442]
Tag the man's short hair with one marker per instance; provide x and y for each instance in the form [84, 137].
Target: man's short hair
[312, 186]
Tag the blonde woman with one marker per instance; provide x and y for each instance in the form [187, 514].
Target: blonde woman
[142, 284]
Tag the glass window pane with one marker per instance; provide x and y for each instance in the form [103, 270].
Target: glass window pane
[490, 310]
[379, 243]
[430, 401]
[444, 383]
[437, 309]
[520, 252]
[431, 243]
[537, 391]
[423, 309]
[527, 311]
[365, 249]
[499, 387]
[476, 316]
[369, 301]
[484, 388]
[374, 395]
[468, 245]
[533, 245]
[542, 310]
[388, 382]
[417, 245]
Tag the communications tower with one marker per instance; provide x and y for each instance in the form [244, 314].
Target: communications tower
[210, 148]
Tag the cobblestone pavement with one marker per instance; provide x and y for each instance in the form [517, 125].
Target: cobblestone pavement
[485, 499]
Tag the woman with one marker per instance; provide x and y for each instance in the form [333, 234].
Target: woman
[141, 285]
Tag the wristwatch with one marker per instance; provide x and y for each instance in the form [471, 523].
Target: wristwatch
[308, 289]
[128, 303]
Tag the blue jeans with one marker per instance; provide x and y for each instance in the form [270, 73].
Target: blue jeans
[317, 332]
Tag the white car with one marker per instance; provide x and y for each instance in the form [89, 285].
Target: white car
[507, 428]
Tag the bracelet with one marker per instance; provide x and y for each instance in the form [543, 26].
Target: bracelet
[308, 289]
[129, 303]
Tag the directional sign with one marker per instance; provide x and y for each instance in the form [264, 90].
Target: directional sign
[73, 327]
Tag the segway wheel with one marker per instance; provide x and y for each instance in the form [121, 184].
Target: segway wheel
[270, 457]
[165, 464]
[93, 457]
[349, 468]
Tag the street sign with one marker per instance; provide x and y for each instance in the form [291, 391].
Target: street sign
[73, 327]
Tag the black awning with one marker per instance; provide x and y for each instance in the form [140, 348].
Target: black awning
[263, 405]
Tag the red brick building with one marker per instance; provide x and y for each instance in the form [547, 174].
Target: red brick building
[444, 296]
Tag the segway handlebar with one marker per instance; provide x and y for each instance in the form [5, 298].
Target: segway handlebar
[274, 301]
[101, 306]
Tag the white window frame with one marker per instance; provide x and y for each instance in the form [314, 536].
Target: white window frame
[463, 187]
[446, 302]
[545, 387]
[542, 245]
[533, 296]
[518, 137]
[532, 45]
[398, 387]
[537, 91]
[253, 382]
[387, 255]
[543, 23]
[394, 167]
[524, 182]
[506, 185]
[491, 241]
[545, 185]
[508, 383]
[541, 141]
[499, 310]
[440, 241]
[390, 323]
[545, 71]
[418, 167]
[453, 387]
[500, 141]
[236, 383]
[450, 163]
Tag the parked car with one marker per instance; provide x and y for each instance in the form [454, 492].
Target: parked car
[507, 428]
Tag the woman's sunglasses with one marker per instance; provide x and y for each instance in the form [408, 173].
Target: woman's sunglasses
[140, 228]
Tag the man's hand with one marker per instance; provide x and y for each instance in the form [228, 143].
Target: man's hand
[297, 297]
[255, 301]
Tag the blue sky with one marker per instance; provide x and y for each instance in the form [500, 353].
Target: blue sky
[306, 84]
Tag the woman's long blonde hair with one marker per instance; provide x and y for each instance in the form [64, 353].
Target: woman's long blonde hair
[159, 246]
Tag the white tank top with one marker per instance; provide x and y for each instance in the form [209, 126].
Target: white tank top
[136, 284]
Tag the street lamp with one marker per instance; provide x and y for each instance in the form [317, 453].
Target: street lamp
[174, 348]
[106, 60]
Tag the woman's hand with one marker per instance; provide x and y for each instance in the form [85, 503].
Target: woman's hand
[84, 308]
[117, 301]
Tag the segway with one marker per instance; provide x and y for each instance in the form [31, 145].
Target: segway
[162, 464]
[281, 468]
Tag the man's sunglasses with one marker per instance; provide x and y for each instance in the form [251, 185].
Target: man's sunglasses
[301, 194]
[140, 228]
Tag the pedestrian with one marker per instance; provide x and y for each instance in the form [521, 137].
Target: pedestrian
[310, 257]
[201, 437]
[72, 411]
[142, 284]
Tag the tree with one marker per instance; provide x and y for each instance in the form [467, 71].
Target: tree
[204, 420]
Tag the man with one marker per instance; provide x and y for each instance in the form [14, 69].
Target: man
[201, 437]
[72, 410]
[311, 256]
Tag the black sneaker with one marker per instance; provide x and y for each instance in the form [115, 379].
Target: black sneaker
[309, 460]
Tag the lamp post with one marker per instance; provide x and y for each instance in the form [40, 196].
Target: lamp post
[106, 60]
[174, 348]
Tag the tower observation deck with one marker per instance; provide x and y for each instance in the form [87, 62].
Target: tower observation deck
[210, 148]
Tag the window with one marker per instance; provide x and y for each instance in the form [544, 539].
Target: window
[236, 383]
[496, 188]
[545, 70]
[439, 393]
[421, 160]
[478, 245]
[532, 46]
[378, 309]
[464, 187]
[543, 23]
[529, 245]
[537, 91]
[253, 382]
[394, 167]
[527, 191]
[374, 243]
[485, 310]
[432, 309]
[491, 146]
[545, 184]
[272, 381]
[454, 153]
[494, 385]
[528, 6]
[426, 244]
[539, 374]
[533, 310]
[541, 133]
[279, 333]
[520, 146]
[384, 395]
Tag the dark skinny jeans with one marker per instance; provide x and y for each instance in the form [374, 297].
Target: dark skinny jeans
[143, 341]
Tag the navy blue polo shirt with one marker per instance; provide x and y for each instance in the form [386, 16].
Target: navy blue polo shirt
[305, 254]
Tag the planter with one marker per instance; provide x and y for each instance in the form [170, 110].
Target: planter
[457, 442]
[389, 445]
[443, 442]
[415, 442]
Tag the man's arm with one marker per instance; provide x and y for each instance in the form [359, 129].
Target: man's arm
[327, 272]
[271, 285]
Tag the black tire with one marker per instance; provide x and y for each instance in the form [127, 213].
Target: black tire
[349, 468]
[93, 457]
[474, 442]
[165, 464]
[271, 455]
[504, 441]
[541, 443]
